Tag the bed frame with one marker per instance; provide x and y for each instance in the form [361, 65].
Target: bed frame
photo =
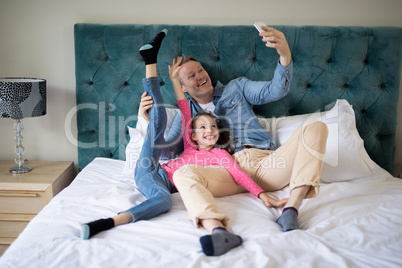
[359, 64]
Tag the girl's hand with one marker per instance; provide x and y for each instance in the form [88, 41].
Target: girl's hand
[271, 202]
[145, 104]
[174, 77]
[174, 69]
[278, 41]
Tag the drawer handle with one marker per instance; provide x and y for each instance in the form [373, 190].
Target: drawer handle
[18, 195]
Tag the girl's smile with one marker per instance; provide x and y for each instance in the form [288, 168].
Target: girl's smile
[205, 132]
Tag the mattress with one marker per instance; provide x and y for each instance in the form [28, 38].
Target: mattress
[349, 224]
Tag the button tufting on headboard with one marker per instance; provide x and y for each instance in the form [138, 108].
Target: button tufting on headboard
[359, 64]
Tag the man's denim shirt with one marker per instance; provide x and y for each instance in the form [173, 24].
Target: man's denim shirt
[234, 104]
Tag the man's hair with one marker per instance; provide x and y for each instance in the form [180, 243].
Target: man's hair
[184, 60]
[224, 142]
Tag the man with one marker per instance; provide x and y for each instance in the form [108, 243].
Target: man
[256, 153]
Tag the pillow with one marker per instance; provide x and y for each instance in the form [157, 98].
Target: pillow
[137, 136]
[142, 123]
[345, 158]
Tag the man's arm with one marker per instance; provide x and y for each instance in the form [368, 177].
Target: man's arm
[173, 137]
[145, 104]
[276, 39]
[264, 92]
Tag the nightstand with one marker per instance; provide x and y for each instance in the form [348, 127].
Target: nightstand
[22, 196]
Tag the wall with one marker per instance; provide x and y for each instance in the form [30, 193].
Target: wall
[37, 41]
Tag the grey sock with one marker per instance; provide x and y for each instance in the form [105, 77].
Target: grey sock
[288, 219]
[219, 242]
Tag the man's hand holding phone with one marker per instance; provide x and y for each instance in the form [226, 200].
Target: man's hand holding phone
[275, 39]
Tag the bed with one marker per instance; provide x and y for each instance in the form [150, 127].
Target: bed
[347, 77]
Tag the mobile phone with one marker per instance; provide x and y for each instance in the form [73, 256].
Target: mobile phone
[258, 26]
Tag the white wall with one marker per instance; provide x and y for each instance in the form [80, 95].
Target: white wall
[36, 40]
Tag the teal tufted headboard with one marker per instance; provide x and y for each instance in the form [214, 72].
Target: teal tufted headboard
[359, 64]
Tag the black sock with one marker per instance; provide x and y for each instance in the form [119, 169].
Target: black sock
[219, 242]
[92, 228]
[149, 52]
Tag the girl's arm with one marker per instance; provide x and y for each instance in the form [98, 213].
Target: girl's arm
[182, 102]
[239, 176]
[250, 185]
[174, 77]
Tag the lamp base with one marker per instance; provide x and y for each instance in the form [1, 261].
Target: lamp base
[20, 169]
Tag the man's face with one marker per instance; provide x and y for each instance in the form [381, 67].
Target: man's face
[196, 82]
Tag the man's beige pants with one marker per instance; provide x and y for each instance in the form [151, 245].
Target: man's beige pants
[298, 162]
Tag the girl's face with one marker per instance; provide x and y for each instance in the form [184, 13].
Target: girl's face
[205, 132]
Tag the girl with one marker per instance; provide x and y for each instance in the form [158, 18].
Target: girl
[155, 181]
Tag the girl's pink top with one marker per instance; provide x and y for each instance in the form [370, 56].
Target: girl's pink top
[192, 155]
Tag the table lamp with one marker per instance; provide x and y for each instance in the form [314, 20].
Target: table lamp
[21, 97]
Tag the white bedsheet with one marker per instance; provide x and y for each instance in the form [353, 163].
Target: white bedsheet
[350, 224]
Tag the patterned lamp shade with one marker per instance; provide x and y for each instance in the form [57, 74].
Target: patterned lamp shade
[22, 97]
